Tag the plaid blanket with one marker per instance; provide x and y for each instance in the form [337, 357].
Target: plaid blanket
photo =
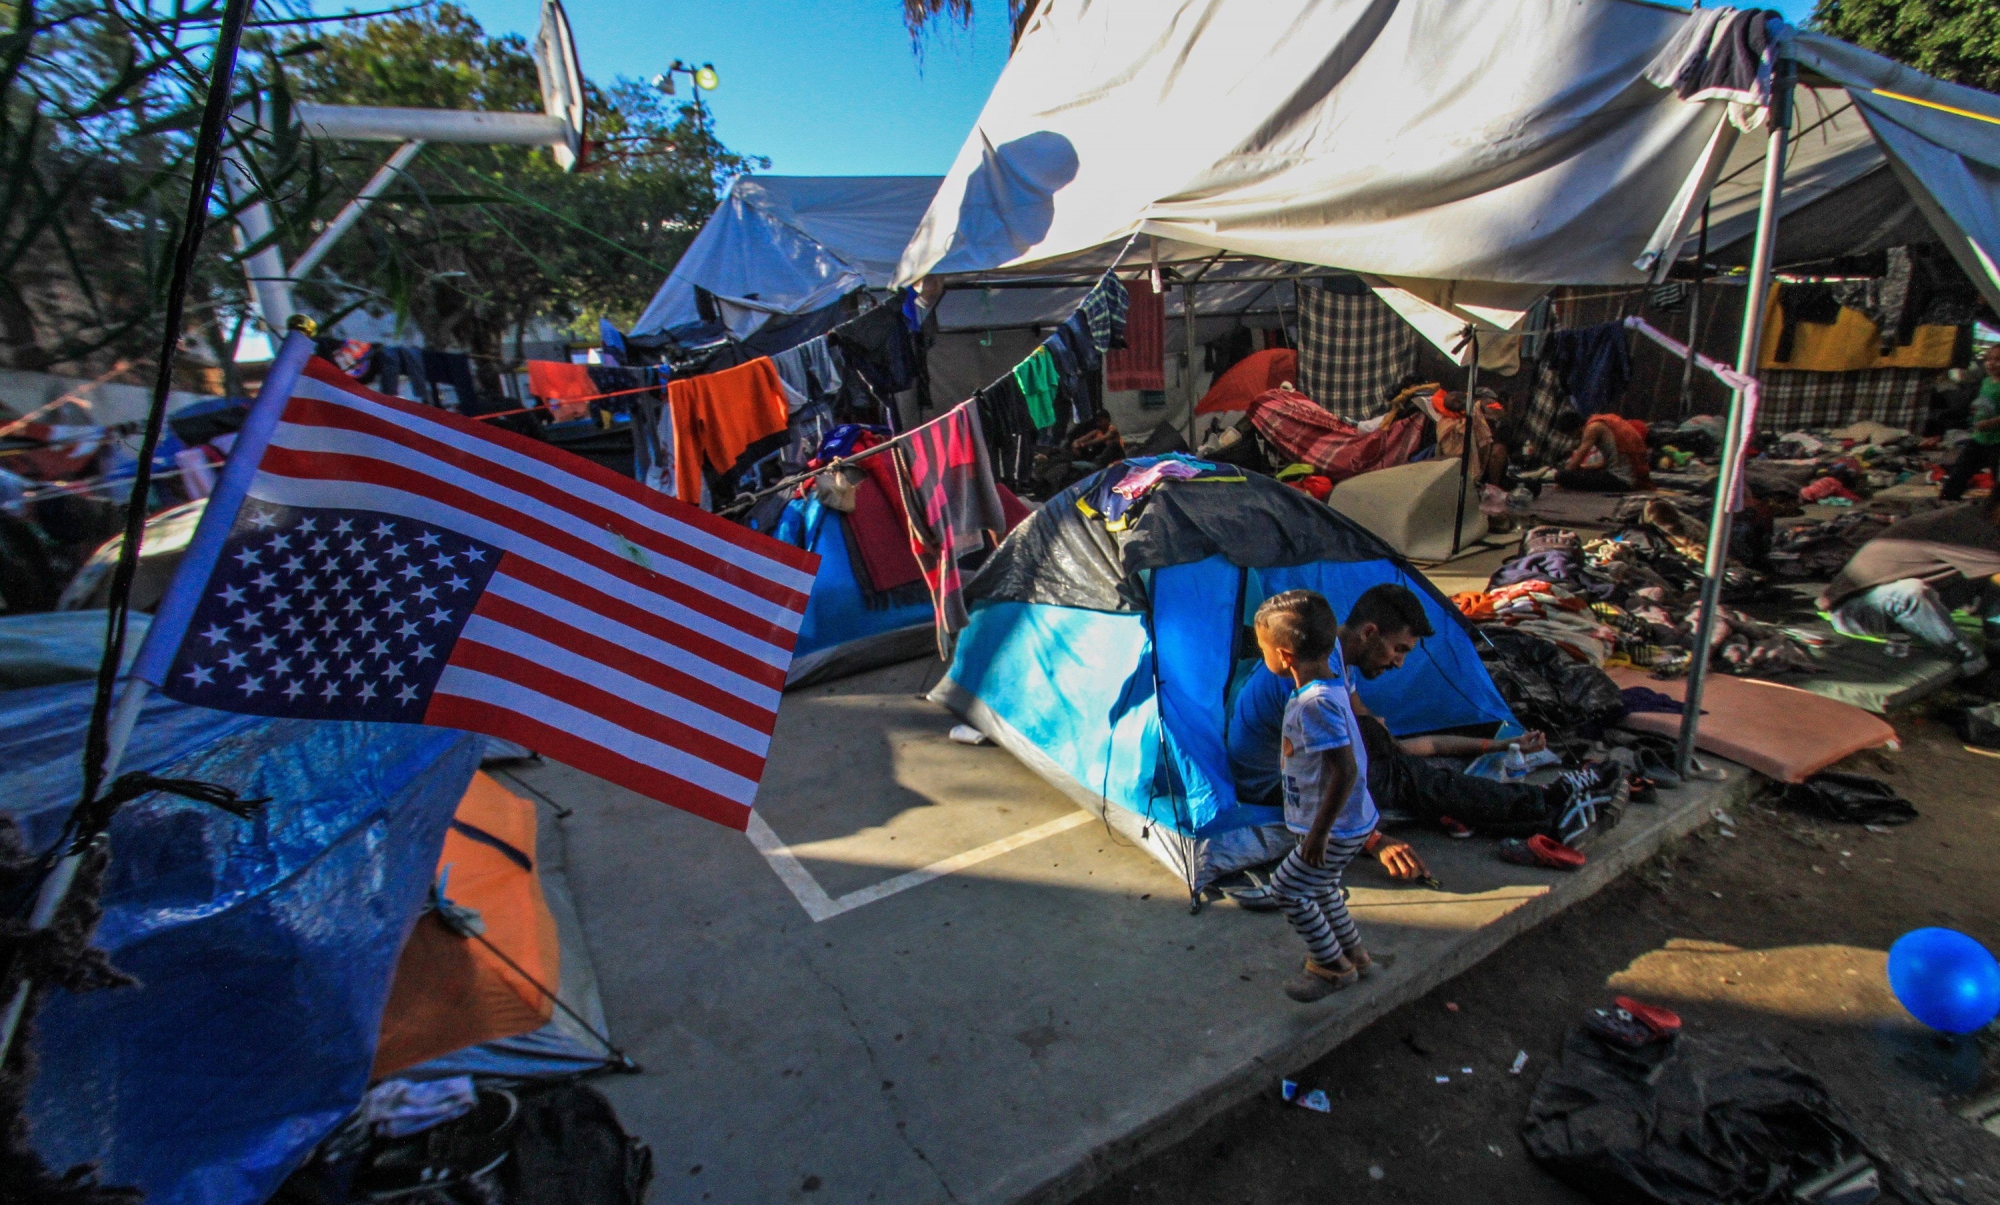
[1793, 400]
[1352, 350]
[1297, 428]
[1537, 421]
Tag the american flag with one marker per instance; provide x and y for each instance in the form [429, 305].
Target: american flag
[368, 559]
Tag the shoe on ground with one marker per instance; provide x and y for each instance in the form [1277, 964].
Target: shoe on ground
[1592, 799]
[1540, 850]
[1316, 982]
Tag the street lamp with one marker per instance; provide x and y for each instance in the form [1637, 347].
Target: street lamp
[700, 79]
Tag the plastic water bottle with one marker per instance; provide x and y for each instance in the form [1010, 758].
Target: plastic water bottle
[1519, 502]
[1515, 766]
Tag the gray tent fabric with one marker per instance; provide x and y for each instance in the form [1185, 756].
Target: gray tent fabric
[1513, 142]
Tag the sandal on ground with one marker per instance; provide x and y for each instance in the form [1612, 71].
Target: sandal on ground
[1539, 850]
[1316, 982]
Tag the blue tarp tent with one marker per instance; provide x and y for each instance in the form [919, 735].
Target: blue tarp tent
[842, 634]
[263, 948]
[1108, 663]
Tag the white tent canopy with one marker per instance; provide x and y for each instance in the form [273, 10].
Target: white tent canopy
[1493, 149]
[790, 245]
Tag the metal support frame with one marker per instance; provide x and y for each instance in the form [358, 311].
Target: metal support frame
[1694, 316]
[1465, 452]
[351, 213]
[1187, 371]
[1734, 435]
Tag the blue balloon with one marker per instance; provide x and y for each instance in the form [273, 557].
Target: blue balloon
[1945, 979]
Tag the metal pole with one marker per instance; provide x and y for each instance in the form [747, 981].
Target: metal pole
[1733, 435]
[270, 287]
[352, 211]
[1465, 453]
[1187, 374]
[1694, 316]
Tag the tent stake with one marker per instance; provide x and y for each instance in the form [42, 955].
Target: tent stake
[1733, 434]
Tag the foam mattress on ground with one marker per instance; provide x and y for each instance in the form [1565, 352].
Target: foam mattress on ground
[1780, 731]
[1861, 673]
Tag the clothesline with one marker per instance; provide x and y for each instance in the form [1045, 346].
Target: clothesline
[570, 401]
[745, 502]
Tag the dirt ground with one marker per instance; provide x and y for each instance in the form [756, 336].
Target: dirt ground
[1781, 932]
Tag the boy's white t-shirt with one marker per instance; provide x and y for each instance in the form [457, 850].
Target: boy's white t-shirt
[1319, 717]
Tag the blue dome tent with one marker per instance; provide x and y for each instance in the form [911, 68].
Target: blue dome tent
[841, 633]
[1108, 662]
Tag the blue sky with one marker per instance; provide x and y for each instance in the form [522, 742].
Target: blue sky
[823, 87]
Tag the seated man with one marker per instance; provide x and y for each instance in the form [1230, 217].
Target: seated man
[1912, 576]
[1402, 782]
[1612, 457]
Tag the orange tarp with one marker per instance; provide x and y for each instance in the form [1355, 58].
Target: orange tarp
[451, 992]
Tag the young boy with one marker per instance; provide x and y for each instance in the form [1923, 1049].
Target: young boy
[1325, 785]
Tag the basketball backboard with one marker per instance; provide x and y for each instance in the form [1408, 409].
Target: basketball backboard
[562, 80]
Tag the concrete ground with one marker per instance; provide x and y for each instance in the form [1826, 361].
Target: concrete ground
[927, 977]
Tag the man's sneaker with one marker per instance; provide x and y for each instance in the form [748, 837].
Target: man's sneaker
[1593, 798]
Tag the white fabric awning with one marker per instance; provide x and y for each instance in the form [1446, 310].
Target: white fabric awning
[1513, 142]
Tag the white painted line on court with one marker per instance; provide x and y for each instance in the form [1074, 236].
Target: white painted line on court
[820, 906]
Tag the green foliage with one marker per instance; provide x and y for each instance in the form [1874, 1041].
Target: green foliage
[1956, 40]
[478, 241]
[99, 100]
[98, 104]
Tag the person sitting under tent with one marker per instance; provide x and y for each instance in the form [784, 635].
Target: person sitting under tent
[1404, 784]
[1612, 457]
[1912, 576]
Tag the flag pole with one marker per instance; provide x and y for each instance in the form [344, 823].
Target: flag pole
[1734, 435]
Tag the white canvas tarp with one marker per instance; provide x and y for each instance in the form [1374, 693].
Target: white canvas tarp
[1506, 146]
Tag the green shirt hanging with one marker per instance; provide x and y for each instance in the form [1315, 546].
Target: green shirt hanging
[1036, 376]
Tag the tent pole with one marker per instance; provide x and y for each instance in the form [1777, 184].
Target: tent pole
[1465, 453]
[1694, 316]
[1187, 373]
[1733, 434]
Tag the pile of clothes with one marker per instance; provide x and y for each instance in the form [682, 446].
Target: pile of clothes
[1628, 598]
[1842, 467]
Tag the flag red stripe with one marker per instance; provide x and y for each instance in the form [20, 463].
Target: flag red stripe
[613, 656]
[606, 706]
[659, 626]
[312, 412]
[342, 466]
[453, 711]
[797, 558]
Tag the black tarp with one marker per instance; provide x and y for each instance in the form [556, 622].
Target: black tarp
[1702, 1120]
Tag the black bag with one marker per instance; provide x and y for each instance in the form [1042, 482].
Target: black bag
[1694, 1122]
[1853, 798]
